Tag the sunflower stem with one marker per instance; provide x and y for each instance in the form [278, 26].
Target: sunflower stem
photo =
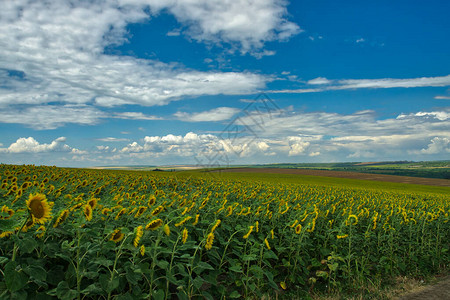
[16, 248]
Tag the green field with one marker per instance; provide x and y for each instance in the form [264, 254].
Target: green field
[120, 234]
[427, 169]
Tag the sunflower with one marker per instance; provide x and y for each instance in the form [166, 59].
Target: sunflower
[157, 210]
[209, 241]
[140, 211]
[248, 233]
[342, 236]
[348, 221]
[196, 220]
[153, 225]
[183, 221]
[116, 236]
[167, 230]
[298, 228]
[139, 233]
[5, 234]
[39, 208]
[88, 212]
[120, 213]
[5, 209]
[40, 231]
[217, 225]
[30, 223]
[142, 250]
[93, 202]
[151, 200]
[61, 218]
[185, 235]
[267, 243]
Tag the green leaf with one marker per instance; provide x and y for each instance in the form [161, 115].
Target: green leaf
[236, 268]
[198, 282]
[158, 295]
[15, 280]
[162, 264]
[64, 292]
[235, 295]
[257, 271]
[269, 276]
[36, 272]
[107, 284]
[131, 276]
[181, 295]
[249, 257]
[3, 259]
[204, 265]
[207, 295]
[125, 296]
[270, 254]
[92, 289]
[27, 245]
[103, 262]
[333, 267]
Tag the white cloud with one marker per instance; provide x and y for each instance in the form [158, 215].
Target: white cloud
[360, 40]
[437, 145]
[297, 146]
[216, 114]
[383, 83]
[442, 97]
[56, 51]
[51, 116]
[319, 80]
[393, 83]
[135, 116]
[440, 115]
[247, 23]
[112, 139]
[30, 145]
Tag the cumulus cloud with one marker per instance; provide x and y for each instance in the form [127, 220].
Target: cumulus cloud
[359, 134]
[248, 23]
[437, 145]
[297, 146]
[30, 145]
[216, 114]
[53, 53]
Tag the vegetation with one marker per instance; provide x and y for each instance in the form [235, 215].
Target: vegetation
[104, 234]
[427, 169]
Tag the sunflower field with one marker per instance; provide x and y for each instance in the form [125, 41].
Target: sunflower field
[104, 234]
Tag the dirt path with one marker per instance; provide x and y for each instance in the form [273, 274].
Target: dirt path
[438, 291]
[343, 174]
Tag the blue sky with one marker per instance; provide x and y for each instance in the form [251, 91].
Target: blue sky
[134, 82]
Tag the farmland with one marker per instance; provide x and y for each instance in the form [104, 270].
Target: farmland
[116, 234]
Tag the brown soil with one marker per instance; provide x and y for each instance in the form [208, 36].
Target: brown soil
[343, 174]
[439, 291]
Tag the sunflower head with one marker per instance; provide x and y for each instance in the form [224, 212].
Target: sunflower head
[93, 202]
[87, 212]
[116, 236]
[155, 224]
[39, 208]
